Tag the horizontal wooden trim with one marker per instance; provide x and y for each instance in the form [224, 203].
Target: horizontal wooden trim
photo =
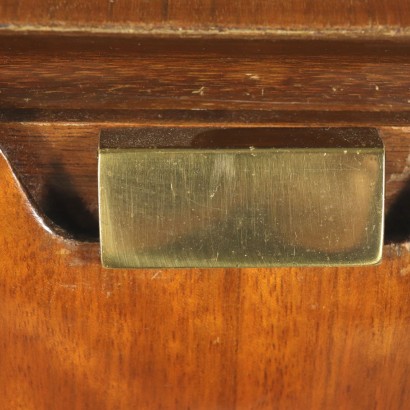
[254, 18]
[376, 32]
[71, 73]
[242, 118]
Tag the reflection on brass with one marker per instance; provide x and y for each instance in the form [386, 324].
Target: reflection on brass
[239, 207]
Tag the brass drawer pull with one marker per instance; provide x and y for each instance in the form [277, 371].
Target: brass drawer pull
[272, 198]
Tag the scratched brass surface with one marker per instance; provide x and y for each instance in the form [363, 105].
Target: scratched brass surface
[241, 207]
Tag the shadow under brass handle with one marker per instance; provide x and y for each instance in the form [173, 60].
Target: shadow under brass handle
[242, 198]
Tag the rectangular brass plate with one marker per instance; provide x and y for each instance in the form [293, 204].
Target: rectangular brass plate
[246, 206]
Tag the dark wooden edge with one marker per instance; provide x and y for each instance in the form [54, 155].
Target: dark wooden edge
[216, 118]
[40, 42]
[199, 137]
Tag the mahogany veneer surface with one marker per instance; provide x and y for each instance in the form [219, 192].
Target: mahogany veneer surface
[74, 335]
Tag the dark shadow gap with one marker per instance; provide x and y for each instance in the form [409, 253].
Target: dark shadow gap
[397, 223]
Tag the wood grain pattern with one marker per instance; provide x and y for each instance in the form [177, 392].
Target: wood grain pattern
[251, 17]
[76, 336]
[65, 73]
